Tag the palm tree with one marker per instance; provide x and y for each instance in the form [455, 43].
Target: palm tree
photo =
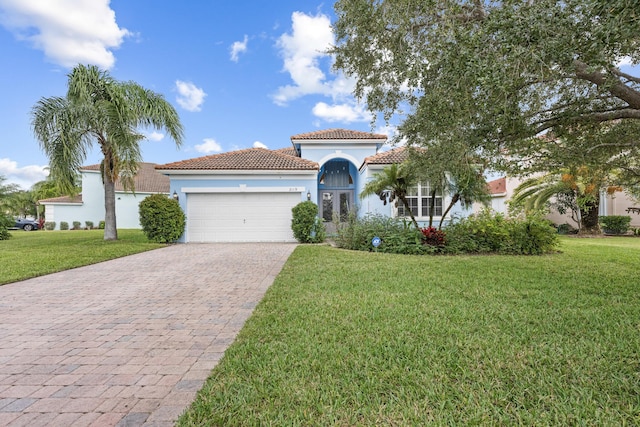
[99, 109]
[467, 186]
[394, 181]
[47, 189]
[578, 189]
[452, 168]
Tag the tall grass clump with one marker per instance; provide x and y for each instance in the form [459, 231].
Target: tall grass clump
[491, 232]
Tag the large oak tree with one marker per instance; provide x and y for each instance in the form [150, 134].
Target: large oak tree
[497, 73]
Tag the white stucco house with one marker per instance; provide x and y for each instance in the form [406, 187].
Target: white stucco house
[89, 205]
[247, 195]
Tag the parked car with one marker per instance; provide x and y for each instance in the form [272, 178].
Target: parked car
[26, 224]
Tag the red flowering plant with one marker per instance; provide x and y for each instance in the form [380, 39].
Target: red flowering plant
[432, 236]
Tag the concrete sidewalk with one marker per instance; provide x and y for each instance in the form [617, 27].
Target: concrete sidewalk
[126, 342]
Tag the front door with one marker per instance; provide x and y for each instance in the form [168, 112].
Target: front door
[335, 204]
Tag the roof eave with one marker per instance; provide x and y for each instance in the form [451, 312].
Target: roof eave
[235, 171]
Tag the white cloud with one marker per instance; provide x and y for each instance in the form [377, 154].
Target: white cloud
[626, 61]
[67, 31]
[190, 97]
[389, 130]
[154, 136]
[302, 51]
[209, 146]
[238, 47]
[24, 176]
[345, 113]
[259, 144]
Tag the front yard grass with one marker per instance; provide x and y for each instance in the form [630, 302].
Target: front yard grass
[355, 338]
[31, 254]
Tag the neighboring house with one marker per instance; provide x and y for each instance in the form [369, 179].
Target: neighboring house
[500, 189]
[247, 195]
[89, 205]
[618, 203]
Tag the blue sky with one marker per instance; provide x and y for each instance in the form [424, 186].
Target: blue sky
[239, 73]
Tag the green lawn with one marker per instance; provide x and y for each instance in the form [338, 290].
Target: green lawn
[31, 254]
[356, 338]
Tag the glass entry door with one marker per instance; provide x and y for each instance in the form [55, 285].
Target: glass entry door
[336, 202]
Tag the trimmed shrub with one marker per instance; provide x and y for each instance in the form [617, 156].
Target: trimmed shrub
[615, 224]
[101, 225]
[76, 225]
[88, 225]
[305, 224]
[50, 225]
[64, 225]
[162, 218]
[5, 223]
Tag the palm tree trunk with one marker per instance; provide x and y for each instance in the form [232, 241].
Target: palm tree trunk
[407, 208]
[110, 230]
[454, 200]
[432, 207]
[589, 218]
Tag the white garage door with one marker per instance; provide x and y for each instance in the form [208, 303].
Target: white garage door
[240, 217]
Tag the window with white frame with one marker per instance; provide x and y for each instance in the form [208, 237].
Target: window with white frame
[419, 200]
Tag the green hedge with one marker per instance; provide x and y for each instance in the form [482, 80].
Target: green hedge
[615, 224]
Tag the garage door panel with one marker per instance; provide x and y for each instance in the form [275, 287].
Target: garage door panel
[240, 217]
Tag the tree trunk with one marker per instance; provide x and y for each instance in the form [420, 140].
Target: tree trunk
[454, 200]
[432, 207]
[589, 218]
[408, 209]
[110, 230]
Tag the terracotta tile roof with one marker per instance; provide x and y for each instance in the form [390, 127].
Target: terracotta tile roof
[337, 134]
[396, 155]
[497, 186]
[248, 159]
[147, 180]
[63, 199]
[290, 151]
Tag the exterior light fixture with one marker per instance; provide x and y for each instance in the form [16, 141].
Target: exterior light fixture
[308, 195]
[175, 196]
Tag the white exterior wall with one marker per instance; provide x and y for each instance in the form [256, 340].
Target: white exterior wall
[92, 206]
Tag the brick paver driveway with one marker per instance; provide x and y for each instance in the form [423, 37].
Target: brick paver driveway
[126, 342]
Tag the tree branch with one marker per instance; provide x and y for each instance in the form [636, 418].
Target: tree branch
[616, 88]
[629, 77]
[574, 103]
[598, 117]
[613, 144]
